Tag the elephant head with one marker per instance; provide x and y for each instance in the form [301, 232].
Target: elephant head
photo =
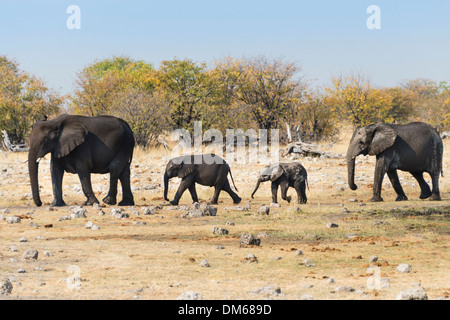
[370, 140]
[59, 137]
[272, 173]
[176, 168]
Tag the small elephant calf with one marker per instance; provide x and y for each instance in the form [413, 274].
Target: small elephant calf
[285, 175]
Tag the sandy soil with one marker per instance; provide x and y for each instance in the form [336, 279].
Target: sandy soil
[159, 256]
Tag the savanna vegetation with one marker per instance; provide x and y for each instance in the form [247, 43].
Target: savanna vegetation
[231, 93]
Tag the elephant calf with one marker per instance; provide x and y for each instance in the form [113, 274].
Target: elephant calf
[207, 170]
[285, 175]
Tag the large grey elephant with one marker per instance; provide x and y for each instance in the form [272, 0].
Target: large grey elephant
[414, 147]
[83, 145]
[207, 170]
[285, 175]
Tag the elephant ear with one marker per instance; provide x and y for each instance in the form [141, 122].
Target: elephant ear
[71, 135]
[186, 170]
[277, 172]
[383, 137]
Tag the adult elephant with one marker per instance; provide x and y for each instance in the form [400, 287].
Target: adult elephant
[285, 175]
[207, 170]
[414, 147]
[83, 145]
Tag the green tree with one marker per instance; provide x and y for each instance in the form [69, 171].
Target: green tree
[268, 88]
[98, 85]
[24, 99]
[186, 86]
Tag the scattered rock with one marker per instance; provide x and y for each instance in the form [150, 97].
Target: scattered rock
[219, 231]
[23, 239]
[229, 223]
[263, 210]
[332, 225]
[373, 259]
[299, 252]
[307, 297]
[344, 289]
[5, 287]
[413, 294]
[269, 290]
[275, 205]
[404, 268]
[190, 295]
[77, 212]
[62, 218]
[147, 211]
[48, 254]
[30, 254]
[250, 258]
[249, 240]
[21, 270]
[196, 210]
[205, 264]
[12, 220]
[308, 263]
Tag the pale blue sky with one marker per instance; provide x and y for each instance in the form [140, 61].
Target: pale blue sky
[325, 38]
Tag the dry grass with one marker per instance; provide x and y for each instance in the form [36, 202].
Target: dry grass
[161, 260]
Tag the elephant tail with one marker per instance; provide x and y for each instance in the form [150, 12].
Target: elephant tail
[232, 180]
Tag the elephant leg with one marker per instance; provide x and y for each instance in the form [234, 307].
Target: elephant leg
[380, 170]
[57, 173]
[215, 198]
[284, 189]
[111, 197]
[184, 185]
[435, 196]
[274, 188]
[300, 187]
[127, 195]
[425, 191]
[85, 179]
[193, 192]
[393, 176]
[233, 195]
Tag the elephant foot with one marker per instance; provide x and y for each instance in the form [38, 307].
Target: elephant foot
[213, 203]
[237, 200]
[401, 198]
[173, 202]
[58, 203]
[376, 199]
[303, 201]
[435, 197]
[126, 203]
[425, 195]
[288, 199]
[90, 202]
[109, 200]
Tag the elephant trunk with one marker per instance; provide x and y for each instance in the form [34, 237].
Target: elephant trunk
[351, 172]
[33, 167]
[166, 186]
[256, 188]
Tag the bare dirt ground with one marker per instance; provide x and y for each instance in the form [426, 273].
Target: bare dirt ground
[159, 256]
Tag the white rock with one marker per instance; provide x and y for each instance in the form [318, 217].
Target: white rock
[404, 268]
[190, 295]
